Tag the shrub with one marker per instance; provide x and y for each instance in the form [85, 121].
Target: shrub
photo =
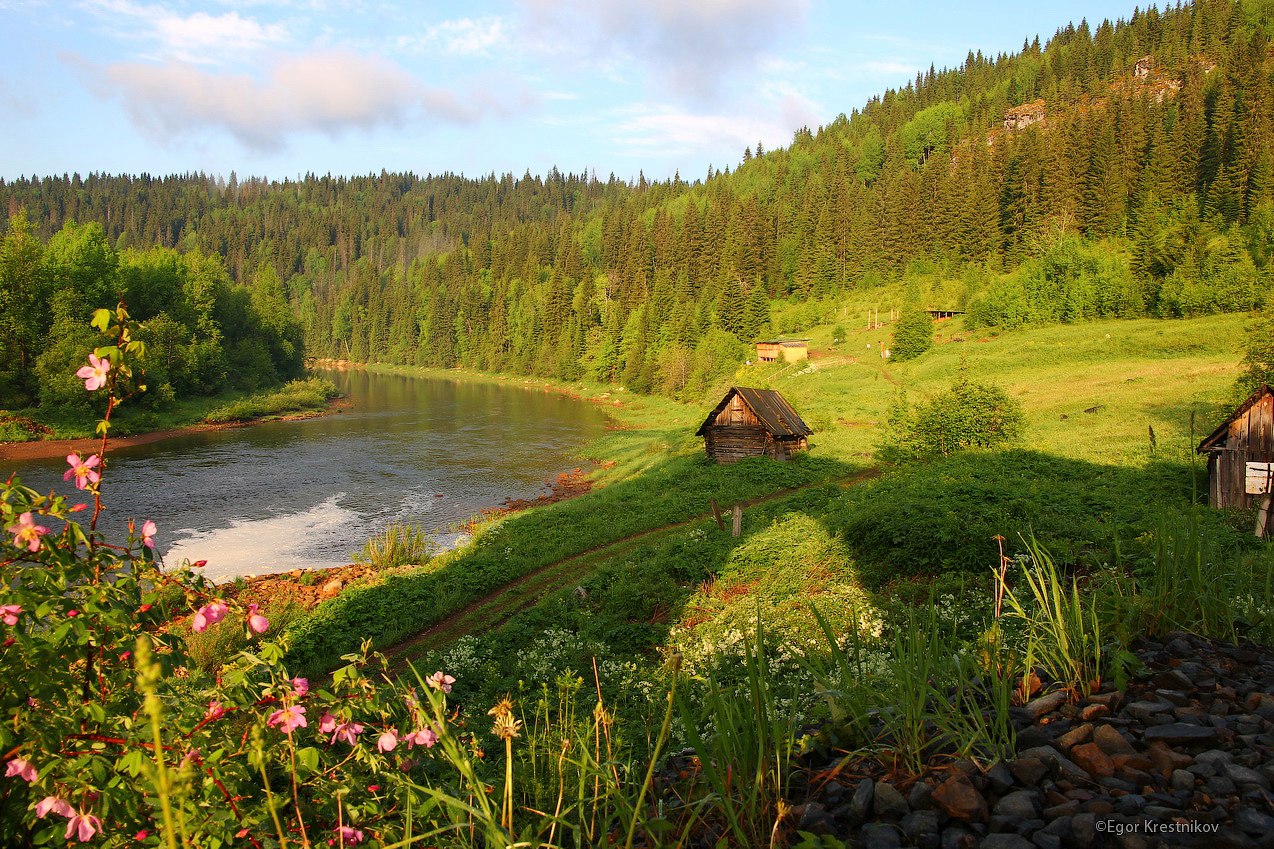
[968, 415]
[914, 334]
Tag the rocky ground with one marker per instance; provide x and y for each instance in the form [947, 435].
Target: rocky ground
[1183, 757]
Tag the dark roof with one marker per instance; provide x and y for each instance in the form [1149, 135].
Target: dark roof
[1218, 436]
[770, 407]
[780, 342]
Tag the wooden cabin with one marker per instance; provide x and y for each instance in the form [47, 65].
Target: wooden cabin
[943, 315]
[787, 350]
[1247, 436]
[753, 423]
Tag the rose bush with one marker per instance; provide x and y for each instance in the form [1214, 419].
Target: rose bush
[110, 736]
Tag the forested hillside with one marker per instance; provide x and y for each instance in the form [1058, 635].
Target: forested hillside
[1125, 169]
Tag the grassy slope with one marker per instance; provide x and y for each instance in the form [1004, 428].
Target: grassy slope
[1138, 373]
[1142, 373]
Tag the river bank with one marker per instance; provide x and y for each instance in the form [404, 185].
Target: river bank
[43, 449]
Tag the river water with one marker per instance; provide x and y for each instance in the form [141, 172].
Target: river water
[308, 494]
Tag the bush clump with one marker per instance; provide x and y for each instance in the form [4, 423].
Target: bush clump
[968, 415]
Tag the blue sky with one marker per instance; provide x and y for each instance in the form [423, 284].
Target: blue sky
[283, 88]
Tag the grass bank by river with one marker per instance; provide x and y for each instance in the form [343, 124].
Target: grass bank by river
[31, 435]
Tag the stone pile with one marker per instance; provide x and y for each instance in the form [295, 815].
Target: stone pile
[1184, 756]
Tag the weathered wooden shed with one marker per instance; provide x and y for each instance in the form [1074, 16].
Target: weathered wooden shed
[753, 423]
[787, 350]
[1247, 436]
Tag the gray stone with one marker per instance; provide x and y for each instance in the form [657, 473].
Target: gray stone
[1220, 786]
[1065, 766]
[811, 816]
[1144, 710]
[1254, 822]
[860, 802]
[1030, 771]
[1083, 831]
[1022, 804]
[1006, 841]
[1245, 777]
[1179, 732]
[889, 803]
[1046, 841]
[879, 835]
[1216, 757]
[917, 824]
[1182, 780]
[1044, 704]
[918, 797]
[958, 837]
[1000, 777]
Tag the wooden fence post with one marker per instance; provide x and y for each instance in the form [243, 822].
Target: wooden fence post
[716, 514]
[738, 520]
[1262, 517]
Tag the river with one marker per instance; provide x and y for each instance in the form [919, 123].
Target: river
[308, 494]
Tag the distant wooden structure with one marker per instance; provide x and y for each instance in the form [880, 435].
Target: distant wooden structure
[753, 423]
[943, 315]
[1245, 439]
[787, 350]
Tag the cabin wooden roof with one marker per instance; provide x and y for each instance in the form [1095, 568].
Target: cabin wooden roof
[787, 343]
[770, 407]
[1217, 437]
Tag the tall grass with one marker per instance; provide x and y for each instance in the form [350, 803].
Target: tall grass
[400, 544]
[1064, 633]
[1190, 582]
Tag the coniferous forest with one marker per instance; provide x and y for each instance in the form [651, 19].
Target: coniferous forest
[1123, 169]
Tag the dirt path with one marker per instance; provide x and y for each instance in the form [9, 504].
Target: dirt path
[526, 591]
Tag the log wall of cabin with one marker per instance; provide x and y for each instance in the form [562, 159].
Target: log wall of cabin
[1250, 440]
[731, 443]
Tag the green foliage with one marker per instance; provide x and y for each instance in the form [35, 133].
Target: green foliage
[1258, 355]
[296, 396]
[929, 132]
[944, 515]
[913, 335]
[399, 544]
[968, 415]
[404, 603]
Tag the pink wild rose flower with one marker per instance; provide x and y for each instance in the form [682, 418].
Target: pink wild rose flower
[148, 534]
[327, 723]
[83, 826]
[288, 718]
[424, 737]
[94, 374]
[347, 835]
[439, 681]
[347, 732]
[387, 741]
[300, 686]
[26, 533]
[83, 470]
[9, 613]
[258, 623]
[53, 805]
[22, 768]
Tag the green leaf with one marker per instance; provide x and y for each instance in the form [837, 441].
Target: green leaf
[101, 319]
[308, 758]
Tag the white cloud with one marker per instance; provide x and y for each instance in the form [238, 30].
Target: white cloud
[198, 38]
[328, 92]
[459, 37]
[663, 129]
[696, 48]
